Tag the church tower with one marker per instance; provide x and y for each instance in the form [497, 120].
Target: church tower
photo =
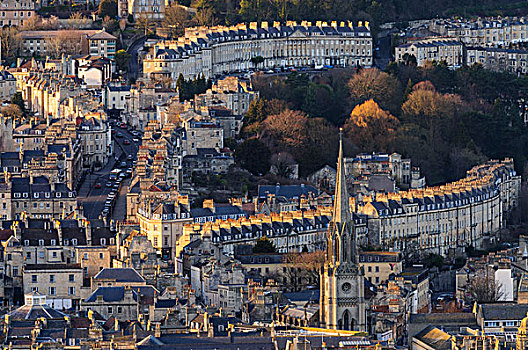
[342, 302]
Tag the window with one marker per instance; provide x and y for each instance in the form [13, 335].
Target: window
[54, 255]
[26, 242]
[52, 278]
[71, 278]
[74, 241]
[52, 290]
[71, 290]
[119, 309]
[9, 257]
[101, 255]
[53, 242]
[28, 255]
[110, 310]
[41, 242]
[41, 255]
[15, 271]
[85, 256]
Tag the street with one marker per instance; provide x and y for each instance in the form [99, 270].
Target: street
[133, 66]
[93, 199]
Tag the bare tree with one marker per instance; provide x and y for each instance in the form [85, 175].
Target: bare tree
[65, 41]
[11, 43]
[301, 270]
[145, 24]
[484, 289]
[77, 21]
[205, 16]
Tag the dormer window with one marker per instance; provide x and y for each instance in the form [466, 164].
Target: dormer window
[59, 194]
[41, 242]
[26, 242]
[25, 195]
[36, 195]
[102, 241]
[53, 242]
[74, 241]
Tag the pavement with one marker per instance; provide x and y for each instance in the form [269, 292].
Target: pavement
[93, 199]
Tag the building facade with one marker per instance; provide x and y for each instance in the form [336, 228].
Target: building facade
[213, 51]
[432, 50]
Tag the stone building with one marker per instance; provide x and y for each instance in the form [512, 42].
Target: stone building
[447, 218]
[16, 13]
[96, 140]
[483, 31]
[61, 283]
[378, 266]
[432, 50]
[498, 59]
[397, 168]
[213, 51]
[123, 303]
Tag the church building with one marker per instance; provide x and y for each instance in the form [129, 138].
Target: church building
[342, 302]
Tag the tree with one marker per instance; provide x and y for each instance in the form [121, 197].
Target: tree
[254, 156]
[286, 130]
[379, 86]
[282, 164]
[65, 41]
[176, 20]
[145, 24]
[77, 21]
[18, 100]
[264, 245]
[484, 289]
[11, 43]
[256, 60]
[122, 59]
[301, 270]
[205, 16]
[11, 111]
[107, 8]
[371, 128]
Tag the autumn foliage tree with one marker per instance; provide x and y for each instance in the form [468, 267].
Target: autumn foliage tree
[370, 127]
[311, 141]
[373, 84]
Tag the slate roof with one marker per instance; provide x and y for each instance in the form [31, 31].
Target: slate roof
[504, 311]
[115, 294]
[435, 338]
[288, 191]
[120, 275]
[33, 312]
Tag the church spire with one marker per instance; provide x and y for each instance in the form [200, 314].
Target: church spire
[341, 212]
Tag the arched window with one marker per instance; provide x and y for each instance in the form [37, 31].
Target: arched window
[346, 320]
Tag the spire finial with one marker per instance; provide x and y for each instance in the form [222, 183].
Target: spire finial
[341, 210]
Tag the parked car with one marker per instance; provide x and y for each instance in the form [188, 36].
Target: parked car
[126, 142]
[97, 185]
[119, 134]
[123, 165]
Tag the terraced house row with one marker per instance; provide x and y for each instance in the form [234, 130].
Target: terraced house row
[447, 218]
[442, 220]
[295, 231]
[213, 51]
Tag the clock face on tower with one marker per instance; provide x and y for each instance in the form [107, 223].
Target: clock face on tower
[346, 287]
